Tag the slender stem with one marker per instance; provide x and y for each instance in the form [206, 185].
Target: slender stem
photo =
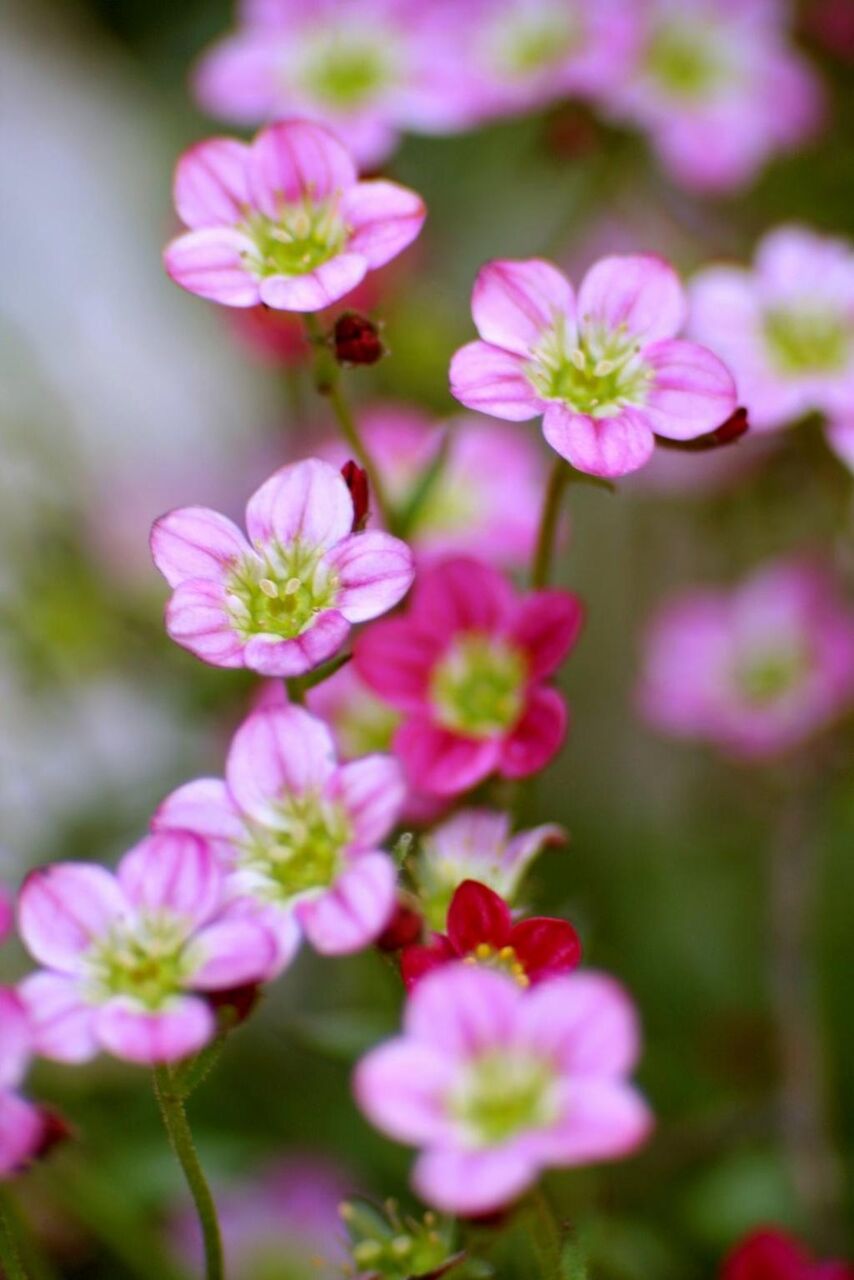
[549, 517]
[327, 377]
[546, 1236]
[10, 1257]
[181, 1138]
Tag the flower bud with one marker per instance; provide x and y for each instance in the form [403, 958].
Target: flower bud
[403, 929]
[735, 426]
[356, 340]
[356, 480]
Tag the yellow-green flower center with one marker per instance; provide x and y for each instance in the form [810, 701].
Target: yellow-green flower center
[599, 373]
[504, 1093]
[804, 340]
[297, 853]
[534, 41]
[478, 687]
[345, 72]
[146, 960]
[280, 593]
[683, 59]
[306, 234]
[765, 678]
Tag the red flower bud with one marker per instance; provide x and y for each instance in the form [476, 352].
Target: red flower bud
[55, 1131]
[728, 432]
[356, 340]
[356, 480]
[404, 928]
[237, 1003]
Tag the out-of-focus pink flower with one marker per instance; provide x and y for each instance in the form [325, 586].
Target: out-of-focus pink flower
[299, 833]
[486, 499]
[128, 957]
[840, 437]
[22, 1125]
[284, 601]
[605, 370]
[719, 88]
[467, 666]
[476, 844]
[283, 220]
[290, 1211]
[756, 670]
[496, 1084]
[7, 913]
[785, 327]
[771, 1254]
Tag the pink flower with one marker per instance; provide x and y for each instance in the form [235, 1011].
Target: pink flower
[22, 1125]
[840, 437]
[299, 833]
[7, 913]
[283, 220]
[719, 88]
[771, 1254]
[467, 665]
[756, 670]
[785, 327]
[486, 499]
[284, 601]
[605, 370]
[129, 957]
[496, 1084]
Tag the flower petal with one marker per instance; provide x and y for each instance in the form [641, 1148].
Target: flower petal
[604, 1120]
[587, 1022]
[294, 160]
[204, 807]
[692, 391]
[194, 542]
[462, 594]
[175, 872]
[463, 1010]
[606, 447]
[22, 1130]
[537, 737]
[317, 289]
[400, 1087]
[545, 946]
[514, 303]
[197, 618]
[438, 762]
[493, 381]
[16, 1039]
[272, 656]
[354, 912]
[232, 953]
[396, 660]
[374, 572]
[638, 291]
[212, 264]
[546, 626]
[210, 186]
[473, 1183]
[371, 791]
[63, 908]
[61, 1021]
[277, 753]
[477, 915]
[307, 500]
[384, 218]
[129, 1031]
[418, 960]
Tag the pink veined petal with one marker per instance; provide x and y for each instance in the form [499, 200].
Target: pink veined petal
[354, 912]
[692, 391]
[194, 542]
[197, 618]
[295, 159]
[494, 381]
[513, 303]
[231, 953]
[175, 872]
[316, 289]
[371, 791]
[374, 572]
[204, 807]
[586, 1021]
[64, 908]
[639, 291]
[537, 737]
[546, 626]
[472, 1183]
[463, 1010]
[273, 656]
[210, 183]
[396, 660]
[16, 1040]
[604, 1120]
[61, 1020]
[236, 79]
[438, 762]
[400, 1086]
[22, 1129]
[129, 1031]
[608, 447]
[307, 500]
[211, 263]
[384, 218]
[462, 594]
[277, 753]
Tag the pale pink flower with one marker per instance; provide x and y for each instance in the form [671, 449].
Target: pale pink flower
[7, 913]
[496, 1084]
[283, 601]
[283, 220]
[128, 958]
[299, 833]
[756, 670]
[605, 370]
[840, 437]
[784, 326]
[22, 1125]
[720, 89]
[467, 666]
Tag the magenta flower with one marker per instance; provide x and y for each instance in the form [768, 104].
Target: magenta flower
[283, 220]
[299, 833]
[466, 666]
[283, 601]
[756, 670]
[719, 88]
[771, 1254]
[22, 1125]
[606, 370]
[129, 957]
[496, 1084]
[785, 327]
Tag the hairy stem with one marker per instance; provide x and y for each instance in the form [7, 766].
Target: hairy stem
[10, 1256]
[541, 566]
[546, 1236]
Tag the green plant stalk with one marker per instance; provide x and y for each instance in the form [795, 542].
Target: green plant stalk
[546, 1236]
[10, 1256]
[181, 1139]
[541, 565]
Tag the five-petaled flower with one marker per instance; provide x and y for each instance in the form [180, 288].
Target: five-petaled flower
[604, 369]
[496, 1083]
[129, 957]
[467, 665]
[23, 1126]
[283, 220]
[771, 1254]
[283, 601]
[481, 931]
[299, 833]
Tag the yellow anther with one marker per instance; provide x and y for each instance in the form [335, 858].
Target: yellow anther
[604, 367]
[292, 586]
[578, 358]
[469, 960]
[507, 953]
[483, 951]
[524, 980]
[269, 588]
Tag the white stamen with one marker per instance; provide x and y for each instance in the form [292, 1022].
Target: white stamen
[604, 367]
[292, 586]
[269, 588]
[578, 359]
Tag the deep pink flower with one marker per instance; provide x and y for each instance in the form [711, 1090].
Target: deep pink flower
[771, 1254]
[128, 957]
[785, 327]
[7, 913]
[283, 601]
[756, 670]
[283, 220]
[720, 89]
[605, 370]
[22, 1125]
[299, 833]
[467, 666]
[496, 1084]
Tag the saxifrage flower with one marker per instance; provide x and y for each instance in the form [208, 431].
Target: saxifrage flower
[772, 1254]
[22, 1125]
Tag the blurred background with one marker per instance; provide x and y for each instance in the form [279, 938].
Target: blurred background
[121, 396]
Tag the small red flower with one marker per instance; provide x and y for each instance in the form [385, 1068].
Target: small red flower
[481, 931]
[403, 929]
[356, 340]
[769, 1254]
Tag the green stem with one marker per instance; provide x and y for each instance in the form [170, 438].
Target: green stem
[546, 1237]
[549, 517]
[10, 1257]
[181, 1138]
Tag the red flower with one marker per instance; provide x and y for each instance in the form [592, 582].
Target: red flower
[481, 931]
[769, 1254]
